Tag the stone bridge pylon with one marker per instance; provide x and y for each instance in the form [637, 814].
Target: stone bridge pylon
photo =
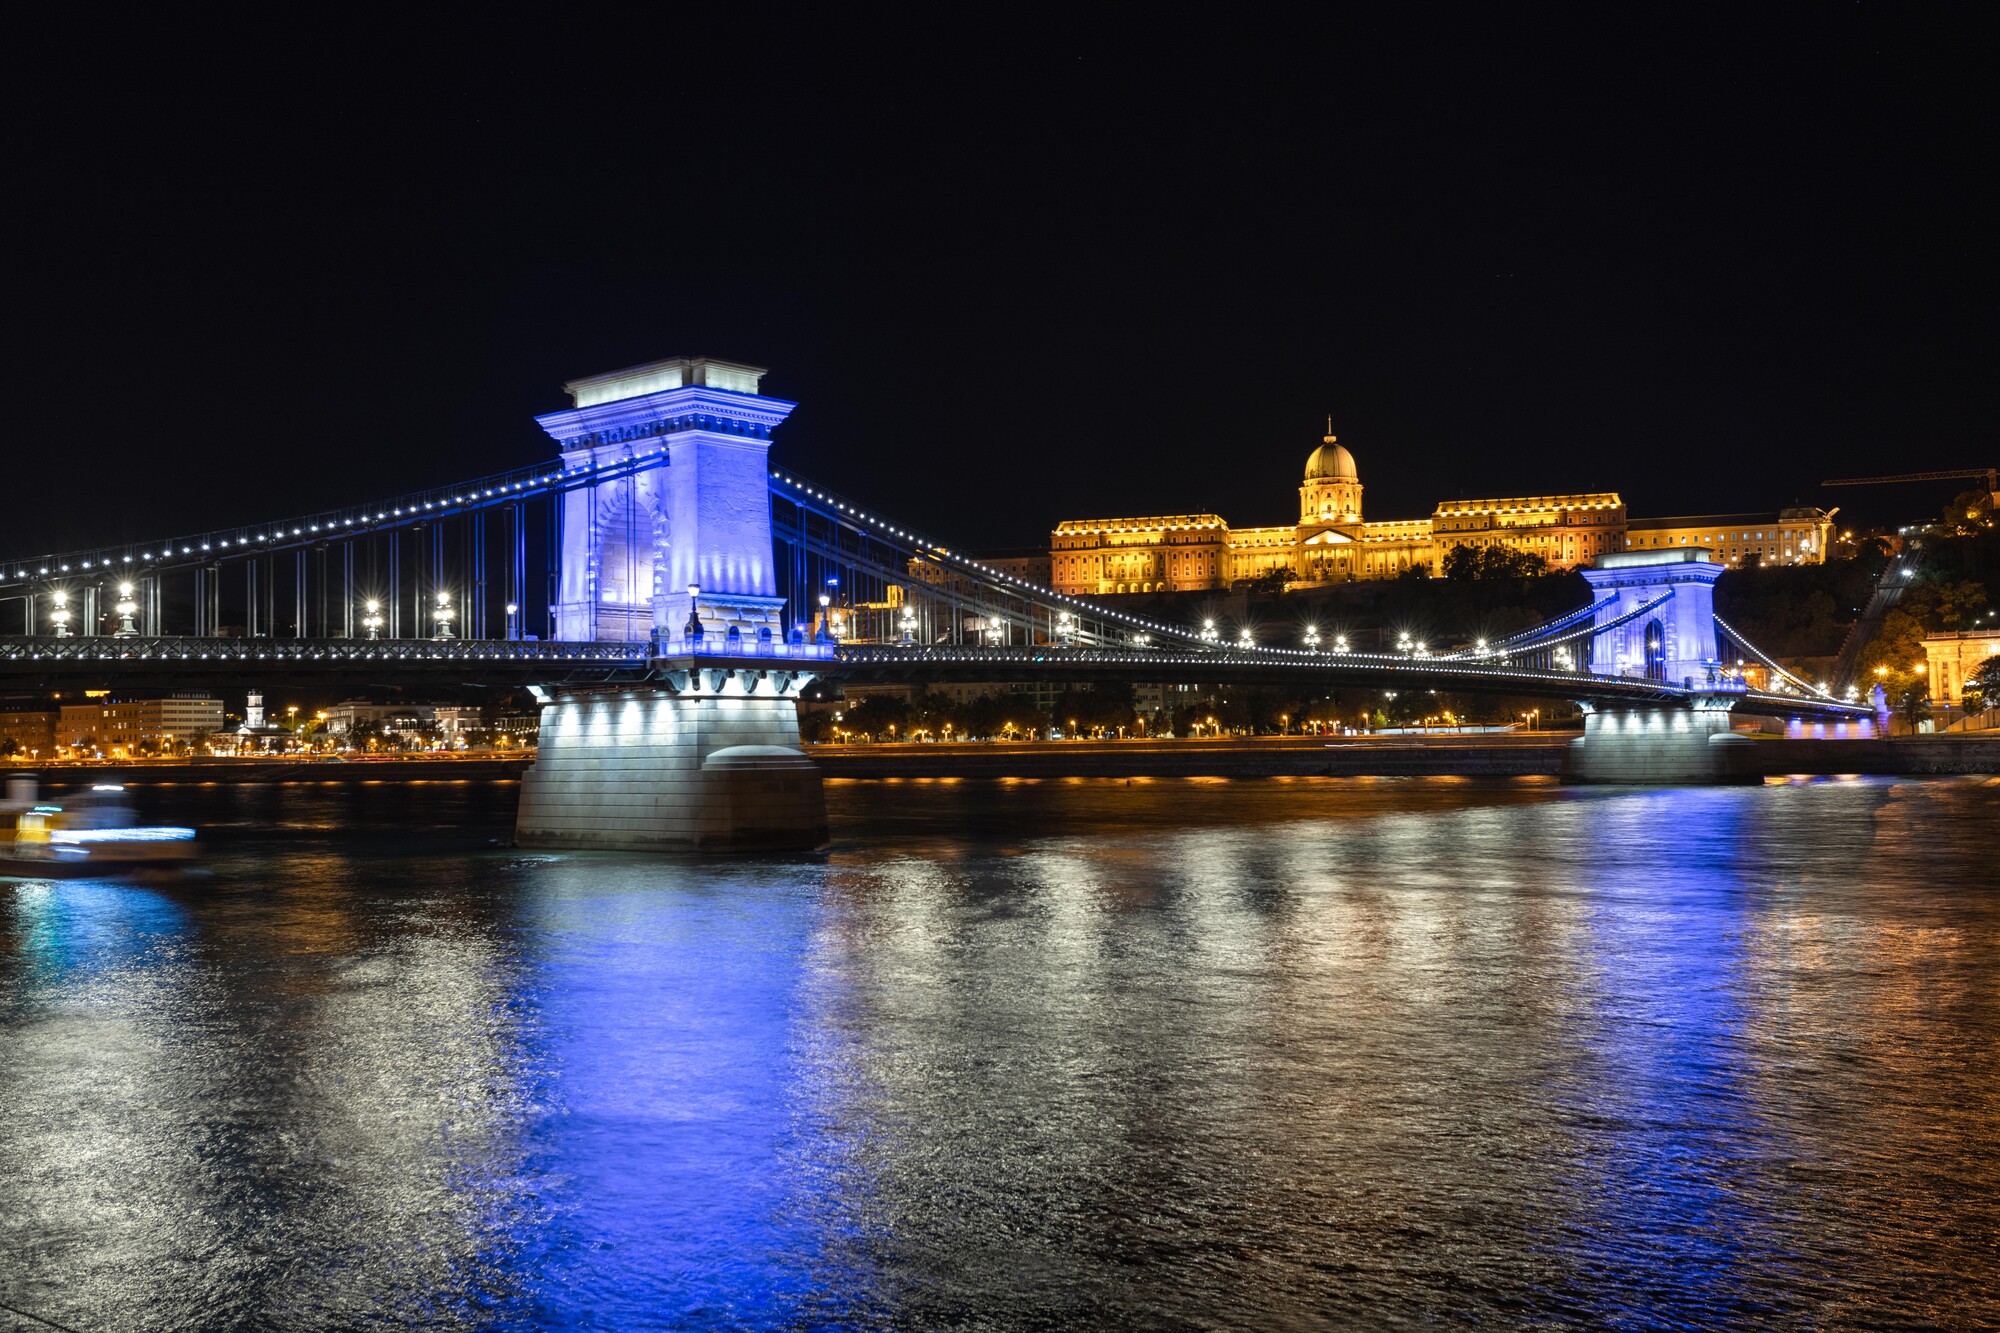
[1666, 600]
[679, 556]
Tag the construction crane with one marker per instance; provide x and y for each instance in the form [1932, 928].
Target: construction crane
[1991, 476]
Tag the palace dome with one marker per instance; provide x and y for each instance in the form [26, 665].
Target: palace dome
[1331, 462]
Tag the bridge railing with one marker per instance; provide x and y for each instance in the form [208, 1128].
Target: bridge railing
[743, 645]
[18, 648]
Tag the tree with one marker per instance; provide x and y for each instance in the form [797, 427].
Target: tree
[1271, 581]
[1947, 605]
[1098, 708]
[1969, 514]
[1982, 688]
[9, 746]
[1914, 705]
[1872, 556]
[876, 716]
[1465, 564]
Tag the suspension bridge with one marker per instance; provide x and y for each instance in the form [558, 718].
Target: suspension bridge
[668, 594]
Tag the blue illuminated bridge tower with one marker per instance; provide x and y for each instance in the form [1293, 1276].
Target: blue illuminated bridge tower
[1657, 613]
[706, 753]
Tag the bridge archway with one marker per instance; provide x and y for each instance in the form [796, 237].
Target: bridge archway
[629, 536]
[1656, 651]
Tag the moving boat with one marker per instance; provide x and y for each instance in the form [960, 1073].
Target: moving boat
[87, 835]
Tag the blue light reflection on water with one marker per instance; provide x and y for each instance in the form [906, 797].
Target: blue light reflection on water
[1169, 1054]
[670, 998]
[1664, 1062]
[68, 929]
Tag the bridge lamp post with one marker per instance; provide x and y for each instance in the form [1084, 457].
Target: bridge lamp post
[61, 614]
[909, 626]
[126, 609]
[1312, 638]
[372, 622]
[693, 629]
[513, 628]
[1340, 643]
[444, 614]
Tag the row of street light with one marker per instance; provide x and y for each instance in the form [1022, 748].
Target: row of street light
[127, 610]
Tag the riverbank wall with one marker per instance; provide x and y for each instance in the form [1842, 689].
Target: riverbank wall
[1520, 755]
[1533, 754]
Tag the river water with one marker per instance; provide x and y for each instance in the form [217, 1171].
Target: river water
[1164, 1054]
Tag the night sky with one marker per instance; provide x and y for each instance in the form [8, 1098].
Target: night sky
[1014, 268]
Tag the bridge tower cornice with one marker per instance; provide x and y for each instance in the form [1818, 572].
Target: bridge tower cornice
[666, 412]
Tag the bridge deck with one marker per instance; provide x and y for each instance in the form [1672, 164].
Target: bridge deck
[41, 662]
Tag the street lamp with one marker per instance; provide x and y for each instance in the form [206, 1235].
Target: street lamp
[1312, 638]
[693, 629]
[909, 625]
[444, 614]
[825, 618]
[61, 614]
[126, 609]
[513, 629]
[372, 622]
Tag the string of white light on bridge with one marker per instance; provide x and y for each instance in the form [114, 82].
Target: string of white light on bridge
[854, 655]
[500, 488]
[938, 550]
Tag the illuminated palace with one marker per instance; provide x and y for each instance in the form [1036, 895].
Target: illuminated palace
[1332, 543]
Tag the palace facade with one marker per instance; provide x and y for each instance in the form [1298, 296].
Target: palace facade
[1333, 543]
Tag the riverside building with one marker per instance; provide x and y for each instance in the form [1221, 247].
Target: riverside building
[1333, 543]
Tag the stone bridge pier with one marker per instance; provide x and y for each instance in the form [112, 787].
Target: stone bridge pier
[1668, 745]
[707, 759]
[705, 755]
